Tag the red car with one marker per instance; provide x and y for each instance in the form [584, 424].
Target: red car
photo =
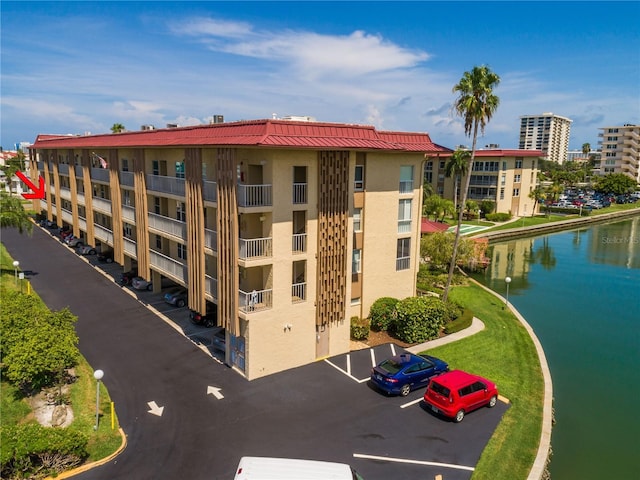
[456, 393]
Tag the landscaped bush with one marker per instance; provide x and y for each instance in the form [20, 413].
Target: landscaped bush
[33, 451]
[453, 311]
[498, 217]
[359, 328]
[382, 314]
[420, 319]
[460, 323]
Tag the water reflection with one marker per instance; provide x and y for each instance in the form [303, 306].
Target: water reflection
[616, 244]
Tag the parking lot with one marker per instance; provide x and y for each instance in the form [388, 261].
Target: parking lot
[326, 410]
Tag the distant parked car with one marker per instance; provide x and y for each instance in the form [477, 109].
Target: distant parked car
[177, 296]
[73, 241]
[209, 319]
[106, 256]
[456, 393]
[126, 277]
[140, 283]
[400, 374]
[86, 250]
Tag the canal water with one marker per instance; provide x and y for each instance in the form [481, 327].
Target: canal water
[580, 292]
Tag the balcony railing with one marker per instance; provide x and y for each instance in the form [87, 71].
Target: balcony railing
[168, 225]
[298, 292]
[172, 185]
[78, 169]
[66, 216]
[100, 175]
[404, 226]
[299, 193]
[210, 191]
[103, 234]
[255, 247]
[65, 193]
[406, 186]
[129, 214]
[256, 300]
[101, 204]
[63, 169]
[130, 248]
[299, 243]
[403, 263]
[167, 265]
[255, 195]
[126, 179]
[211, 239]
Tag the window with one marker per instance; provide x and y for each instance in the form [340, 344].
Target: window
[516, 178]
[359, 178]
[182, 251]
[403, 254]
[156, 205]
[158, 242]
[503, 179]
[126, 197]
[125, 165]
[504, 165]
[404, 216]
[181, 213]
[519, 162]
[441, 165]
[406, 179]
[356, 261]
[357, 220]
[516, 192]
[127, 230]
[179, 169]
[502, 194]
[155, 167]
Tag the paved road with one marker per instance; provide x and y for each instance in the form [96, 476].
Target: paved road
[323, 411]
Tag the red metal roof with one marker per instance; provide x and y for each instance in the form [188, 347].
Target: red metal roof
[509, 153]
[428, 226]
[266, 133]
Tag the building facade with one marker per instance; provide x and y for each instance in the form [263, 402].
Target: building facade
[547, 132]
[620, 151]
[290, 228]
[505, 177]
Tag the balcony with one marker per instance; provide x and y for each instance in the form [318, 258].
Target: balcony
[211, 286]
[65, 193]
[102, 205]
[211, 239]
[100, 175]
[299, 243]
[171, 185]
[103, 234]
[129, 214]
[255, 248]
[210, 191]
[130, 248]
[299, 193]
[298, 292]
[168, 226]
[63, 169]
[167, 266]
[403, 263]
[406, 187]
[255, 301]
[126, 179]
[66, 216]
[78, 169]
[255, 195]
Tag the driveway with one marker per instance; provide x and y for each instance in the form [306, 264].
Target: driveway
[211, 416]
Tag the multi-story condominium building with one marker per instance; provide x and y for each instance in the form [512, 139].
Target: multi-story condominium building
[620, 150]
[291, 228]
[505, 177]
[547, 132]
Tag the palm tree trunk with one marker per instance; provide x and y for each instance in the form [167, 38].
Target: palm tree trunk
[463, 201]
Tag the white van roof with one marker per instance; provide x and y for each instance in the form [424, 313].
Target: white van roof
[268, 468]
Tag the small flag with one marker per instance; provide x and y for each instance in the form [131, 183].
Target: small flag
[103, 162]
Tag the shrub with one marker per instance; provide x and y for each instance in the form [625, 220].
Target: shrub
[382, 314]
[31, 448]
[359, 328]
[460, 323]
[420, 319]
[453, 311]
[498, 217]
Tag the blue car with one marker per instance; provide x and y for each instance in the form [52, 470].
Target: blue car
[400, 374]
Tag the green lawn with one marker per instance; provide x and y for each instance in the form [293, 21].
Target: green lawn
[504, 353]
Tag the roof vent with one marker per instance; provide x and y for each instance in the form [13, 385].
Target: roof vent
[217, 119]
[172, 125]
[147, 127]
[299, 118]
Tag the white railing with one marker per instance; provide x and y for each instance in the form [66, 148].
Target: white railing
[65, 193]
[254, 195]
[211, 239]
[103, 234]
[101, 204]
[82, 223]
[171, 185]
[66, 216]
[256, 300]
[167, 265]
[80, 197]
[299, 193]
[168, 225]
[299, 242]
[210, 191]
[211, 286]
[298, 292]
[403, 263]
[129, 214]
[100, 175]
[406, 186]
[130, 248]
[255, 247]
[404, 226]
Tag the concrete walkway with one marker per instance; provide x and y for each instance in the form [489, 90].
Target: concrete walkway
[476, 326]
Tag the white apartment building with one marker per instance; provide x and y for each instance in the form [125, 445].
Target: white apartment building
[621, 150]
[548, 133]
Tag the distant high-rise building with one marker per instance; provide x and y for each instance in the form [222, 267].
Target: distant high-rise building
[548, 133]
[621, 150]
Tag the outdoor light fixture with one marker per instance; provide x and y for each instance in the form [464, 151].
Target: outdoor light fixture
[98, 374]
[507, 281]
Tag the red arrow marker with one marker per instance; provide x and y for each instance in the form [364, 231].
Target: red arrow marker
[38, 192]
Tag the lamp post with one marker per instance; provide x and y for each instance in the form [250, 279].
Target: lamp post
[16, 264]
[98, 374]
[507, 281]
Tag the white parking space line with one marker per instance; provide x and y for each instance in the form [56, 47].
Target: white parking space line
[347, 373]
[413, 462]
[405, 405]
[349, 364]
[373, 358]
[393, 350]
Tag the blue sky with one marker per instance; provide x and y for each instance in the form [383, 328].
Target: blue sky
[76, 67]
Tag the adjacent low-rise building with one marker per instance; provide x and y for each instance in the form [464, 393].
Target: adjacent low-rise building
[620, 152]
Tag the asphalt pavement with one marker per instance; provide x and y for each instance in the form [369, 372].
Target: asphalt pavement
[211, 415]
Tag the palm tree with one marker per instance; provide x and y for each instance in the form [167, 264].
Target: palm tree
[117, 128]
[586, 148]
[537, 194]
[457, 167]
[476, 103]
